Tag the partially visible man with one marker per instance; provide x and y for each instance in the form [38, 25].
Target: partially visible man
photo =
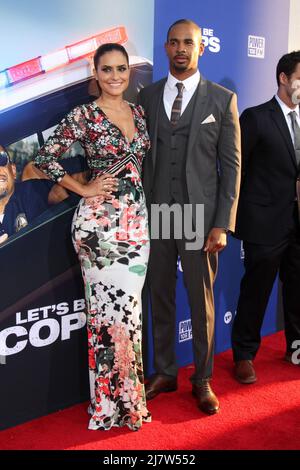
[267, 216]
[21, 202]
[195, 159]
[76, 166]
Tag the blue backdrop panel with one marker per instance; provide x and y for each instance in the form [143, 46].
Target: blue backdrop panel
[241, 53]
[228, 24]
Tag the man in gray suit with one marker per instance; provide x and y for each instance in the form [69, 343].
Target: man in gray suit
[195, 159]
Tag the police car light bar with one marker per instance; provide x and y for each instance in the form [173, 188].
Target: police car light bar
[54, 60]
[60, 58]
[74, 72]
[27, 69]
[81, 49]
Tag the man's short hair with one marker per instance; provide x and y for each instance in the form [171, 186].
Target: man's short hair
[287, 64]
[184, 21]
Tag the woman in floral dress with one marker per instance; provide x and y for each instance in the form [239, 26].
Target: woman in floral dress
[110, 235]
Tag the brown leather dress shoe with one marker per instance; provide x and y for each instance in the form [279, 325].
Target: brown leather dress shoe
[206, 399]
[160, 384]
[244, 372]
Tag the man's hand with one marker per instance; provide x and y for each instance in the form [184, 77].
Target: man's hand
[216, 240]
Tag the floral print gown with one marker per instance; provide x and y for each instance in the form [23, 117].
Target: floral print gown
[112, 243]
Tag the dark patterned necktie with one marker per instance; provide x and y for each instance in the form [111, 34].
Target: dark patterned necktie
[296, 130]
[176, 108]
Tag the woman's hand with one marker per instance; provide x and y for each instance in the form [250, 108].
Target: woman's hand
[102, 186]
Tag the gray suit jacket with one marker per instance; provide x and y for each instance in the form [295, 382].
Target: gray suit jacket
[213, 160]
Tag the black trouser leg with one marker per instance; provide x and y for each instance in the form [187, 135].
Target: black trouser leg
[290, 277]
[261, 266]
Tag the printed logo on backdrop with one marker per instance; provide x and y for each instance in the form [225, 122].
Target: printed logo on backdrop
[296, 354]
[242, 251]
[228, 317]
[296, 92]
[256, 47]
[211, 42]
[42, 326]
[185, 331]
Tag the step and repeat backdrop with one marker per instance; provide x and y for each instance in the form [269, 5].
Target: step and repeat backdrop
[43, 344]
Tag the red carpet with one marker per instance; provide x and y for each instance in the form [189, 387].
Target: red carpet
[265, 415]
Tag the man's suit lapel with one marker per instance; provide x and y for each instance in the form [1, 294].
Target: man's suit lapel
[199, 112]
[279, 119]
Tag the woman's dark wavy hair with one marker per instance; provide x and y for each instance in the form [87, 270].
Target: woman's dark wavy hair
[109, 47]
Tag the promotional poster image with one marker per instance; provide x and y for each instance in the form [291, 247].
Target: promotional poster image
[44, 318]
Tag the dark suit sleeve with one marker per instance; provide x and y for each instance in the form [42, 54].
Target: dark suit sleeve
[141, 99]
[229, 155]
[249, 136]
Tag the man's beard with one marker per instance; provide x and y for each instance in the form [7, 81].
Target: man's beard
[180, 68]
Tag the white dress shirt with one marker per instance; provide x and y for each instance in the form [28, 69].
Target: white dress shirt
[286, 110]
[171, 91]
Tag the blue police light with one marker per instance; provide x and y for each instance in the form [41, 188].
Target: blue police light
[3, 79]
